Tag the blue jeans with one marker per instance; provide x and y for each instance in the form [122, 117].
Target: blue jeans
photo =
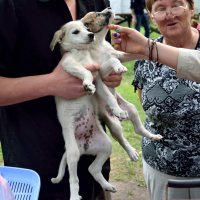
[143, 20]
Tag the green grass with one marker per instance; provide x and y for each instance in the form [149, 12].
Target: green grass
[122, 168]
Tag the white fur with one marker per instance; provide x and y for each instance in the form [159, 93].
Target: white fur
[79, 118]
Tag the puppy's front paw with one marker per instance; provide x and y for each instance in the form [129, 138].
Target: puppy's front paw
[120, 68]
[89, 87]
[117, 112]
[122, 115]
[156, 137]
[133, 154]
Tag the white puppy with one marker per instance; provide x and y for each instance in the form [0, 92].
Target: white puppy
[79, 118]
[109, 60]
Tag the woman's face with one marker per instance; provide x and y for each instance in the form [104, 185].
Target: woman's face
[173, 17]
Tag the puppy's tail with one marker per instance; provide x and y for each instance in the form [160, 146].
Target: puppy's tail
[61, 171]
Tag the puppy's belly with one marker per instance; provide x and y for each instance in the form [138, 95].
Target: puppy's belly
[86, 129]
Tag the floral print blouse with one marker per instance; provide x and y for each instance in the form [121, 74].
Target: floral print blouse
[172, 107]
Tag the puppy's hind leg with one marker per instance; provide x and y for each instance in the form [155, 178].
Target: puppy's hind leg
[116, 131]
[106, 95]
[72, 154]
[103, 148]
[95, 169]
[135, 119]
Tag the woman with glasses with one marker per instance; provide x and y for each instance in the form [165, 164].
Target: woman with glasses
[172, 105]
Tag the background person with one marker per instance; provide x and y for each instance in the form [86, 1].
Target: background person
[194, 23]
[139, 16]
[30, 76]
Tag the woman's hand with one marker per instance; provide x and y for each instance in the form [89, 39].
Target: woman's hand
[129, 40]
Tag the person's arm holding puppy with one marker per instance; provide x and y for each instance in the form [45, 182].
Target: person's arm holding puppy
[17, 90]
[132, 41]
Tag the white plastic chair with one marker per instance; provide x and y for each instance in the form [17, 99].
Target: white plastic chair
[24, 183]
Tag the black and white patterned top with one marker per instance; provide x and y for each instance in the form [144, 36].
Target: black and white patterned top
[172, 107]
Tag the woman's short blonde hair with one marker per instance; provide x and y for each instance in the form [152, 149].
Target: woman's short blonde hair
[149, 4]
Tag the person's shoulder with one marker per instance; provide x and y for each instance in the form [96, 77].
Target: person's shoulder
[4, 3]
[22, 3]
[107, 3]
[104, 3]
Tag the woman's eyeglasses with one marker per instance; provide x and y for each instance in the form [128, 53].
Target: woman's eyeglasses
[175, 11]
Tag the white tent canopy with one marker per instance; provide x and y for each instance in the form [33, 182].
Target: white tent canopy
[196, 6]
[123, 6]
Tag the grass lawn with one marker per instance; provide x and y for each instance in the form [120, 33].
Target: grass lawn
[122, 168]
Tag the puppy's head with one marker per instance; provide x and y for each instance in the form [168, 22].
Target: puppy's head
[73, 35]
[97, 21]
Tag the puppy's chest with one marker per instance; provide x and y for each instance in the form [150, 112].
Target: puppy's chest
[82, 56]
[100, 54]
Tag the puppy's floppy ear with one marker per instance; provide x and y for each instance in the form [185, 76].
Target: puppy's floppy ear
[57, 38]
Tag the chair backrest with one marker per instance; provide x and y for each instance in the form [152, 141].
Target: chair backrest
[24, 183]
[172, 183]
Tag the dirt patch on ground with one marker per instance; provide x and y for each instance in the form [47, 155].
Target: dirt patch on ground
[129, 191]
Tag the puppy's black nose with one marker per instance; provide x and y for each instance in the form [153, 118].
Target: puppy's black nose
[109, 8]
[91, 35]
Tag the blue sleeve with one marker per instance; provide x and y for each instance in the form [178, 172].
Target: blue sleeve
[8, 34]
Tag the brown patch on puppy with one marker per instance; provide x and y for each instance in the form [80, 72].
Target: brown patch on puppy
[96, 21]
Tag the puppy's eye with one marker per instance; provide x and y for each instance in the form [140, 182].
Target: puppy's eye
[86, 24]
[75, 32]
[98, 14]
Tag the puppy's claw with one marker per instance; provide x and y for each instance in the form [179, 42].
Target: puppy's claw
[110, 188]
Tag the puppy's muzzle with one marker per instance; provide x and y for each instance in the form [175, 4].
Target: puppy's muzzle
[91, 36]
